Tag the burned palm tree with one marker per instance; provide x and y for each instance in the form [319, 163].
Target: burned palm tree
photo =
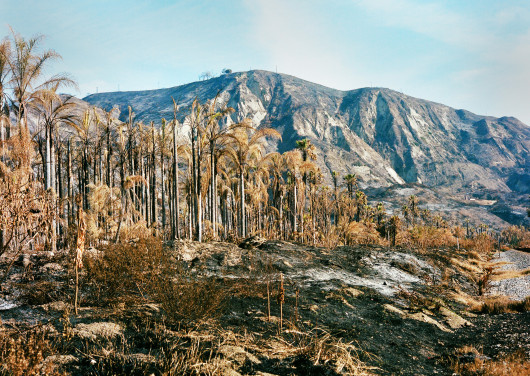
[27, 66]
[247, 144]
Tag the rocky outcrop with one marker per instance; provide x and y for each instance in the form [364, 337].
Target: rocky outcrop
[383, 136]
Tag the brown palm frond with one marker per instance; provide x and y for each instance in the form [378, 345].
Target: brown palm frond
[309, 167]
[132, 180]
[265, 132]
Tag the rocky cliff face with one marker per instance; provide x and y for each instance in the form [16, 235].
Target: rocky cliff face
[383, 136]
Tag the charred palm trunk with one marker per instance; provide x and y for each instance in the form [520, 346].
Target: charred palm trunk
[196, 166]
[199, 211]
[47, 155]
[69, 183]
[163, 189]
[53, 225]
[60, 189]
[85, 177]
[154, 212]
[109, 156]
[213, 191]
[123, 196]
[243, 226]
[294, 207]
[176, 210]
[147, 192]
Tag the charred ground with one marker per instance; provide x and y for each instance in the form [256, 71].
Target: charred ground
[348, 310]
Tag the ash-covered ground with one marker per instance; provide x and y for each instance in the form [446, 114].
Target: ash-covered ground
[397, 311]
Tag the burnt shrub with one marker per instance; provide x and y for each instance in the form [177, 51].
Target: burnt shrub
[124, 272]
[146, 272]
[190, 301]
[24, 353]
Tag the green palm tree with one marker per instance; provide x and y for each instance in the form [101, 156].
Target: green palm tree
[351, 183]
[307, 148]
[413, 208]
[335, 177]
[360, 203]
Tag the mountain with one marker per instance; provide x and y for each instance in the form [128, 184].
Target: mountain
[383, 136]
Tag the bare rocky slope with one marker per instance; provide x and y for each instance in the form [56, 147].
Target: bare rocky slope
[383, 136]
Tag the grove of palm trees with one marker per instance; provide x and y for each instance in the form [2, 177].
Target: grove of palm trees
[114, 204]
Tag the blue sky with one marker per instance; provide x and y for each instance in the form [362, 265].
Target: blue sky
[472, 54]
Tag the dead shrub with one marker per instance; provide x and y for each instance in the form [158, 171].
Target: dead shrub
[126, 271]
[516, 236]
[361, 233]
[24, 353]
[482, 243]
[484, 281]
[145, 271]
[404, 239]
[41, 292]
[190, 301]
[431, 237]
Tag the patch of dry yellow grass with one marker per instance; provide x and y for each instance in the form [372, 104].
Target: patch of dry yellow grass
[466, 299]
[509, 274]
[511, 365]
[469, 266]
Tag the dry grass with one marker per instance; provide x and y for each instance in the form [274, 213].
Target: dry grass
[317, 352]
[430, 237]
[476, 268]
[501, 304]
[490, 304]
[470, 362]
[467, 265]
[508, 274]
[460, 296]
[344, 357]
[362, 233]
